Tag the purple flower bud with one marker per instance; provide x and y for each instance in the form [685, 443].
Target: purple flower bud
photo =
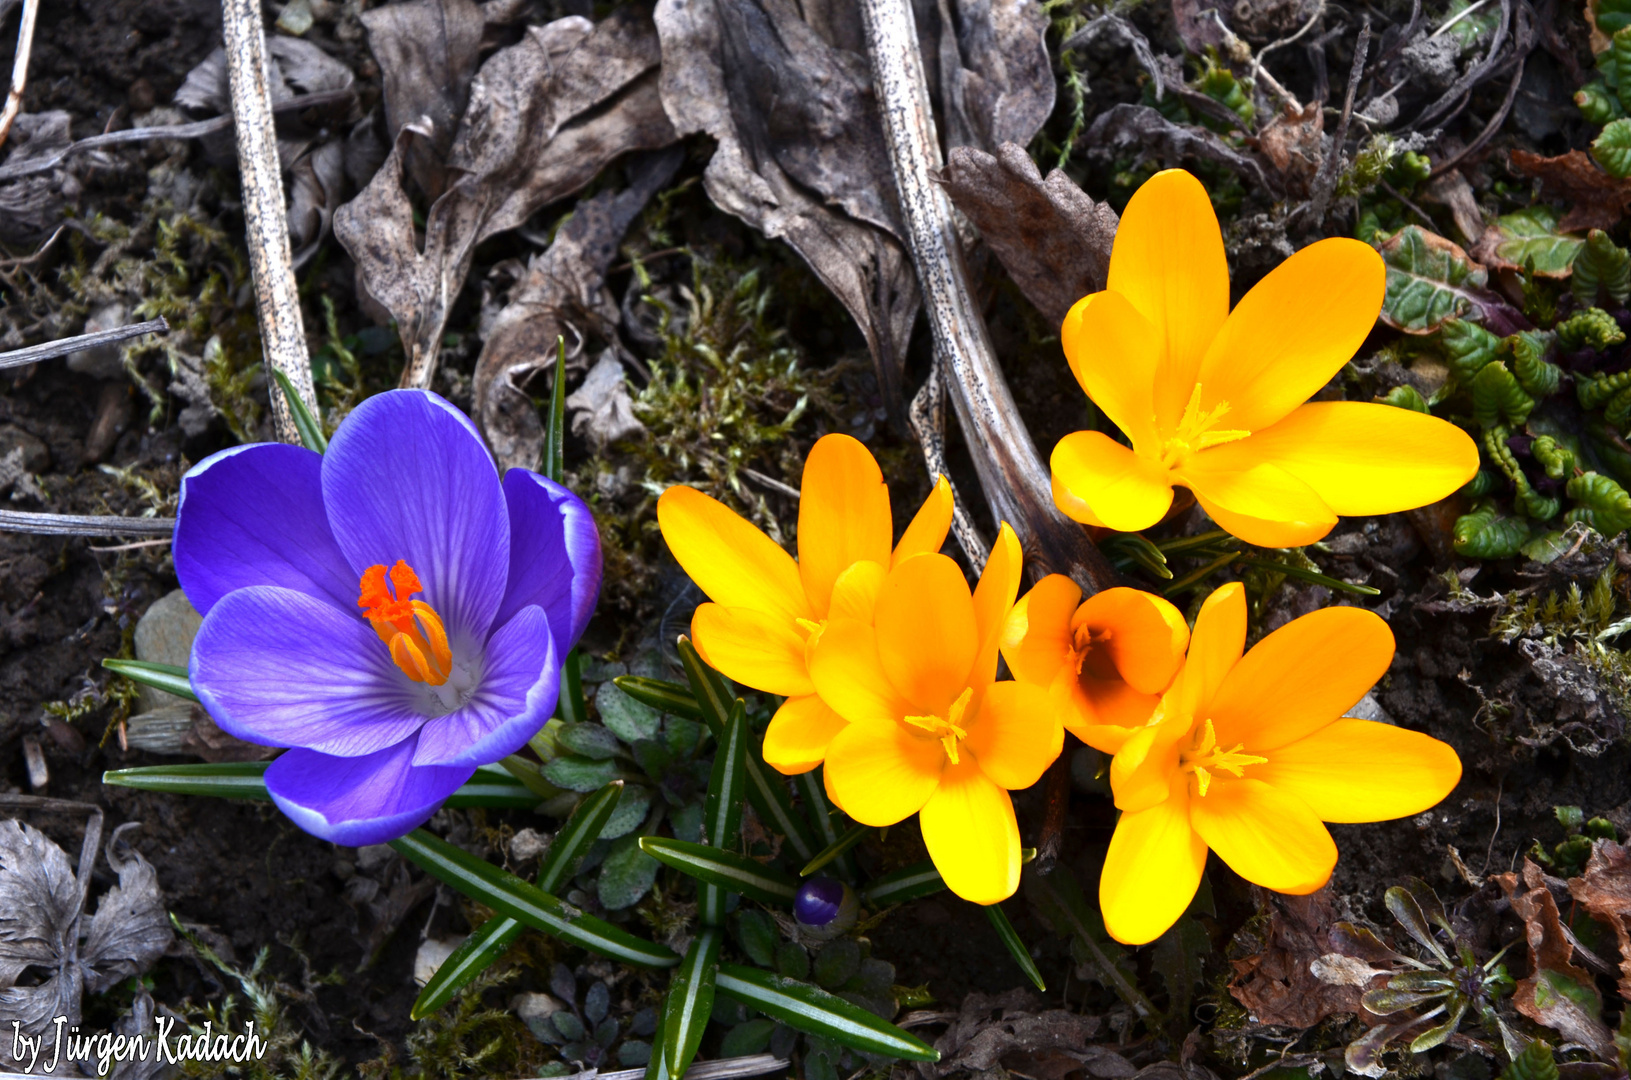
[826, 905]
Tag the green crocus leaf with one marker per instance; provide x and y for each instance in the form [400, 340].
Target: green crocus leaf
[728, 870]
[816, 1012]
[690, 1001]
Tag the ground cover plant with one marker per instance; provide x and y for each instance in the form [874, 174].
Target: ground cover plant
[1058, 540]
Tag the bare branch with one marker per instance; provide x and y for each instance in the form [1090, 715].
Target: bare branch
[84, 525]
[283, 335]
[35, 353]
[19, 67]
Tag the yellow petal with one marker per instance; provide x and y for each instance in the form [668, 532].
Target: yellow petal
[1114, 353]
[846, 672]
[1214, 651]
[764, 651]
[1168, 260]
[734, 563]
[796, 740]
[1361, 458]
[1267, 836]
[1300, 678]
[843, 515]
[1359, 770]
[882, 775]
[1016, 735]
[1036, 639]
[1144, 772]
[1123, 490]
[993, 599]
[927, 637]
[1151, 871]
[1072, 507]
[970, 831]
[1104, 713]
[927, 532]
[855, 593]
[1147, 635]
[1293, 331]
[1260, 493]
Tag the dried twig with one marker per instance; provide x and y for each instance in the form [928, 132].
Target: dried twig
[1016, 482]
[283, 335]
[1325, 180]
[35, 353]
[84, 525]
[19, 67]
[723, 1069]
[1453, 99]
[927, 418]
[197, 130]
[1524, 43]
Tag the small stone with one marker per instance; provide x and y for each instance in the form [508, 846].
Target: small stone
[374, 855]
[432, 954]
[527, 845]
[535, 1010]
[38, 775]
[164, 635]
[1371, 709]
[35, 457]
[103, 361]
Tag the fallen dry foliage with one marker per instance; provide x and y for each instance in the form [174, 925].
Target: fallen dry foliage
[1604, 890]
[1557, 992]
[1280, 984]
[1596, 199]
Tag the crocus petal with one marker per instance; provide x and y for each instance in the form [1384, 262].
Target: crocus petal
[1144, 772]
[731, 561]
[357, 801]
[1103, 713]
[1300, 678]
[1070, 506]
[1115, 353]
[1147, 635]
[1214, 649]
[855, 593]
[1267, 836]
[407, 476]
[1123, 490]
[1168, 260]
[969, 828]
[796, 740]
[1151, 871]
[764, 651]
[282, 668]
[1292, 332]
[843, 515]
[519, 686]
[993, 599]
[1036, 638]
[845, 669]
[1016, 736]
[554, 556]
[1361, 458]
[253, 515]
[927, 636]
[927, 532]
[880, 775]
[1262, 504]
[1358, 770]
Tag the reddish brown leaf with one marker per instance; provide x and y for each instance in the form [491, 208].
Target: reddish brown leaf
[1597, 200]
[1277, 985]
[1605, 891]
[1557, 992]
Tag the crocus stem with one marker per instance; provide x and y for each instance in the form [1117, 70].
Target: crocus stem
[1056, 807]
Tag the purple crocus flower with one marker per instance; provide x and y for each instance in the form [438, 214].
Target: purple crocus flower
[390, 610]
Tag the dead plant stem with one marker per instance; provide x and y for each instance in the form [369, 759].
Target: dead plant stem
[19, 67]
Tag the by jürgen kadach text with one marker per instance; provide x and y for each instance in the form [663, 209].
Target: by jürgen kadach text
[59, 1043]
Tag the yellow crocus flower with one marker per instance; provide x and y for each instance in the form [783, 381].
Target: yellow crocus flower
[766, 608]
[1249, 755]
[930, 731]
[1104, 662]
[1214, 399]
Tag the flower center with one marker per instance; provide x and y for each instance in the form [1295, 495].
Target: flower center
[411, 629]
[1088, 652]
[949, 729]
[1195, 432]
[1205, 756]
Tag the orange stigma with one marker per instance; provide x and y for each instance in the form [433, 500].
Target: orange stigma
[411, 629]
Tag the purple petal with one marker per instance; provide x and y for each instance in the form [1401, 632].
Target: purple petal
[407, 477]
[253, 515]
[357, 801]
[519, 684]
[554, 555]
[280, 668]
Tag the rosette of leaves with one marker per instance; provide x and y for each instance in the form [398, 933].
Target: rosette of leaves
[1568, 857]
[583, 1030]
[1427, 999]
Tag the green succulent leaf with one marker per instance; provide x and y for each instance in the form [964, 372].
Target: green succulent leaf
[1602, 267]
[1470, 347]
[1486, 534]
[1602, 503]
[1405, 396]
[626, 875]
[1592, 328]
[625, 715]
[1529, 238]
[1598, 103]
[1429, 280]
[1534, 1063]
[629, 812]
[579, 773]
[509, 895]
[816, 1012]
[588, 740]
[690, 1001]
[1612, 148]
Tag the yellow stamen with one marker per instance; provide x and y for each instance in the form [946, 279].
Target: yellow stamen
[948, 731]
[410, 629]
[1195, 432]
[1088, 641]
[1206, 756]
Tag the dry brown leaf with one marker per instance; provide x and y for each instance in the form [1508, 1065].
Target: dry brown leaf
[1291, 142]
[544, 116]
[1142, 129]
[563, 293]
[1050, 236]
[1604, 890]
[1452, 190]
[996, 1029]
[1200, 25]
[1597, 200]
[1557, 992]
[33, 205]
[1279, 985]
